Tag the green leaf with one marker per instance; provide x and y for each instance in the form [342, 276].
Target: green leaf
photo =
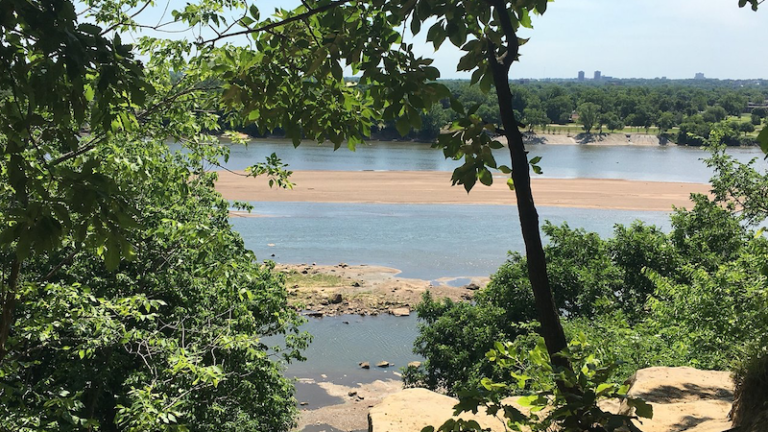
[535, 160]
[642, 408]
[762, 138]
[403, 126]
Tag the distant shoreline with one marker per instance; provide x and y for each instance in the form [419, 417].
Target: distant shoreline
[434, 187]
[606, 139]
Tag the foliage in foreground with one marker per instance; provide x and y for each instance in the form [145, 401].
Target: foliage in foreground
[545, 406]
[695, 296]
[169, 341]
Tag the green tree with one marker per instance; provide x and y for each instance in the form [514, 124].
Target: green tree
[613, 122]
[535, 117]
[665, 122]
[589, 114]
[746, 127]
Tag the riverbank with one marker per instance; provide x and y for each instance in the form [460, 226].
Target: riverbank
[593, 139]
[434, 187]
[342, 289]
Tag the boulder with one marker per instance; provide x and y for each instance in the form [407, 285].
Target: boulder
[414, 364]
[336, 299]
[383, 364]
[413, 409]
[400, 312]
[683, 399]
[364, 365]
[472, 286]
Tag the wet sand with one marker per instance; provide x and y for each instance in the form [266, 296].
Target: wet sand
[434, 187]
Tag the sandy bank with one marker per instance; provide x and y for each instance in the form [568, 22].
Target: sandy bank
[431, 187]
[606, 139]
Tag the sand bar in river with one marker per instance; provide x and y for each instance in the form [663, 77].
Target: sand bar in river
[434, 187]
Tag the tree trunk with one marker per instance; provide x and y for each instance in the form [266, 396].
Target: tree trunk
[8, 299]
[550, 327]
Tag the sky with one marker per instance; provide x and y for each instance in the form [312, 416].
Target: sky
[639, 39]
[623, 39]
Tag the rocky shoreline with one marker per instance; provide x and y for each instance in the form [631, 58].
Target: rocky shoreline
[342, 289]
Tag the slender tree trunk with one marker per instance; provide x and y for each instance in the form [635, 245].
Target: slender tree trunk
[8, 299]
[551, 329]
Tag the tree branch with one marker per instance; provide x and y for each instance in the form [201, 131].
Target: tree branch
[276, 24]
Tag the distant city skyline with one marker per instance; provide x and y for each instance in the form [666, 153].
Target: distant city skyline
[634, 39]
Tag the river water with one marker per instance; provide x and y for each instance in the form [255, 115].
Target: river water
[667, 163]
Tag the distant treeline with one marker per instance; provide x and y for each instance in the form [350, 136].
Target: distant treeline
[683, 111]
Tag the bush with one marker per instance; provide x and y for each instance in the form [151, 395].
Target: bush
[750, 406]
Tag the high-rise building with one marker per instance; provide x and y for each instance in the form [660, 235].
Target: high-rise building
[699, 76]
[581, 75]
[598, 75]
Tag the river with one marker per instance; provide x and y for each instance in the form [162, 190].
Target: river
[424, 241]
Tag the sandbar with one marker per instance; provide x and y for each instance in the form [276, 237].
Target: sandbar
[434, 187]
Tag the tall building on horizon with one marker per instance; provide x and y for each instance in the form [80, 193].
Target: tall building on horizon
[598, 75]
[581, 75]
[699, 76]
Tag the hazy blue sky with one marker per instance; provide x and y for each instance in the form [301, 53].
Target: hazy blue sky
[641, 39]
[624, 39]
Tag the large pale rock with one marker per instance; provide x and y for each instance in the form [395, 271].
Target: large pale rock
[684, 399]
[413, 409]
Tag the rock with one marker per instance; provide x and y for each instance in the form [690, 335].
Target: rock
[352, 393]
[383, 364]
[365, 365]
[324, 302]
[360, 398]
[400, 312]
[683, 399]
[356, 284]
[303, 403]
[345, 322]
[413, 409]
[315, 314]
[336, 298]
[314, 263]
[472, 286]
[273, 255]
[414, 364]
[304, 272]
[271, 244]
[343, 265]
[683, 396]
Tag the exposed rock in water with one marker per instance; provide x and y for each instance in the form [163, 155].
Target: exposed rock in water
[414, 364]
[365, 365]
[383, 364]
[315, 314]
[400, 312]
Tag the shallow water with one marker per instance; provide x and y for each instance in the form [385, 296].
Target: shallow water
[558, 161]
[424, 241]
[338, 348]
